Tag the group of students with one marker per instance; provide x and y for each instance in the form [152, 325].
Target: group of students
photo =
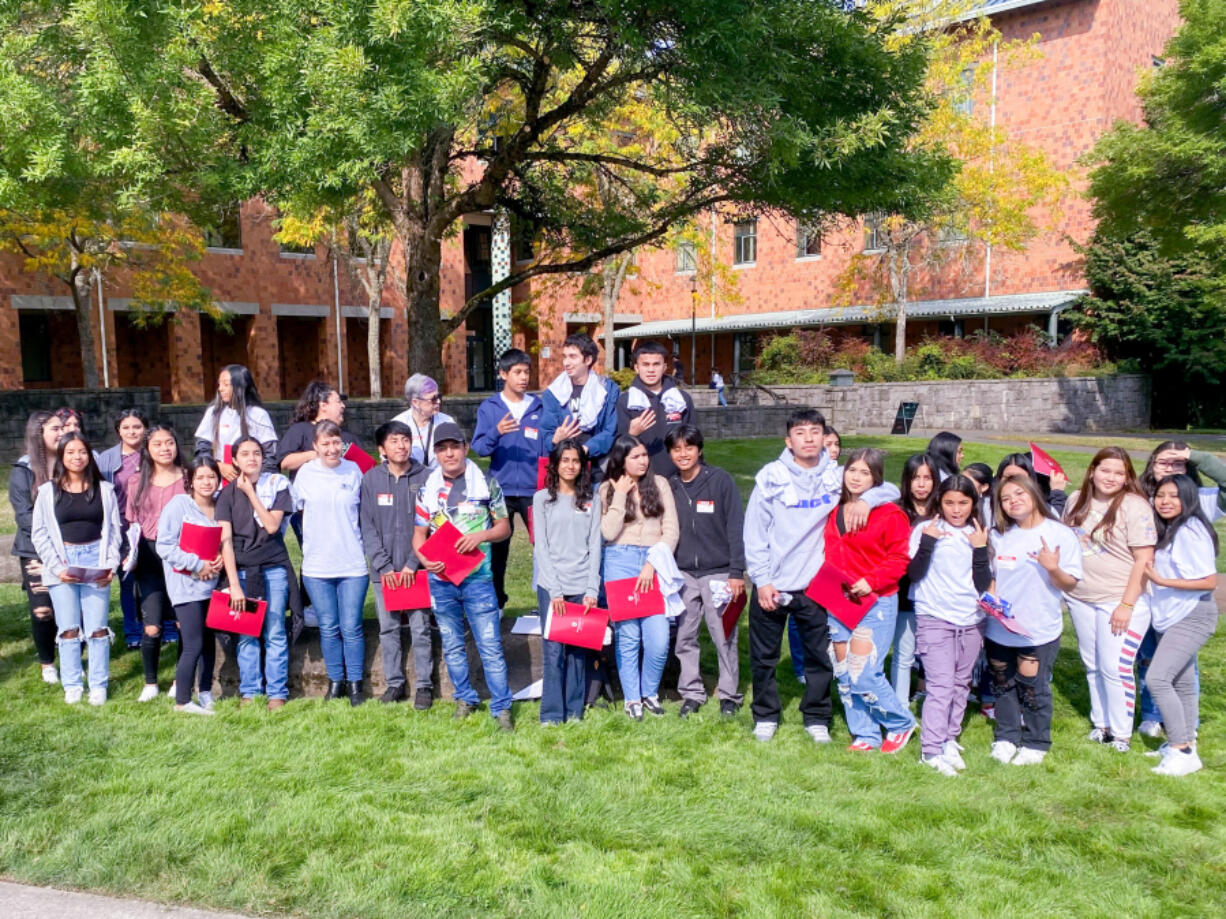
[613, 487]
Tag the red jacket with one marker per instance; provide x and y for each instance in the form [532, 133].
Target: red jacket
[879, 553]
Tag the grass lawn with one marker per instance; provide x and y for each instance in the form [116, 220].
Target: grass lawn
[326, 811]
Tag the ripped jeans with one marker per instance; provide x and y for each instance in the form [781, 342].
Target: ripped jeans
[83, 609]
[869, 701]
[1023, 700]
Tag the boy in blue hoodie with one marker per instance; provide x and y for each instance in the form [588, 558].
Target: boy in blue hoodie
[509, 432]
[784, 547]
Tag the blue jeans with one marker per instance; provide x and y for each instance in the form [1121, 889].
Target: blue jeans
[869, 702]
[1149, 708]
[275, 676]
[83, 608]
[338, 604]
[648, 636]
[722, 400]
[131, 615]
[564, 672]
[904, 655]
[475, 600]
[796, 649]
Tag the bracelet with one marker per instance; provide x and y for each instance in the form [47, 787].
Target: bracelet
[1129, 605]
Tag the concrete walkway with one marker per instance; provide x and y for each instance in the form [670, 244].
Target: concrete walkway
[22, 901]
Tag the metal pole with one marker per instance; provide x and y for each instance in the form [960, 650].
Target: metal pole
[106, 370]
[336, 297]
[693, 329]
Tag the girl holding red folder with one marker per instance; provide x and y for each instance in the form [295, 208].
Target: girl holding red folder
[567, 556]
[872, 559]
[190, 579]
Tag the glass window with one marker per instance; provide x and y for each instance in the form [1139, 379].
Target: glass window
[745, 242]
[687, 255]
[808, 240]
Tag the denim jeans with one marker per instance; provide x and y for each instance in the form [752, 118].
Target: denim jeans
[564, 672]
[473, 600]
[84, 608]
[869, 702]
[275, 677]
[338, 604]
[648, 635]
[1149, 708]
[796, 649]
[131, 614]
[904, 655]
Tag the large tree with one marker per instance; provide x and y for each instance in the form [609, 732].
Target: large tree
[442, 108]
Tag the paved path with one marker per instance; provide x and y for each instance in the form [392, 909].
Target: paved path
[22, 901]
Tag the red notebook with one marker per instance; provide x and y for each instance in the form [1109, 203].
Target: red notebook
[1044, 463]
[365, 461]
[625, 601]
[578, 626]
[248, 621]
[542, 471]
[440, 547]
[732, 613]
[829, 590]
[227, 454]
[415, 596]
[200, 540]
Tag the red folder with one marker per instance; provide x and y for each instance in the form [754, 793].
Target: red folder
[440, 547]
[1044, 463]
[732, 614]
[201, 540]
[625, 601]
[365, 461]
[542, 471]
[248, 621]
[227, 454]
[829, 590]
[415, 596]
[578, 626]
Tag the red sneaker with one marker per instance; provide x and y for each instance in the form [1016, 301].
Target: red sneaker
[897, 740]
[862, 746]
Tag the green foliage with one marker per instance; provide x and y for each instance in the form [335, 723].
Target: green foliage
[1165, 314]
[808, 356]
[623, 378]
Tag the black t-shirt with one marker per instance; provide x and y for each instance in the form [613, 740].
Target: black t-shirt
[253, 545]
[79, 515]
[576, 398]
[300, 437]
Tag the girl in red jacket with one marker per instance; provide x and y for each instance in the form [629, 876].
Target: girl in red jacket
[870, 561]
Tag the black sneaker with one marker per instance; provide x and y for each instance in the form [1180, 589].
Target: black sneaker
[423, 699]
[728, 709]
[463, 710]
[652, 704]
[688, 707]
[394, 694]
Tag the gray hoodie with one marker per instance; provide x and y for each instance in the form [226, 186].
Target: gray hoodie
[182, 588]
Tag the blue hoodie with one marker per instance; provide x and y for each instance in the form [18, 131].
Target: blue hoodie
[514, 455]
[599, 440]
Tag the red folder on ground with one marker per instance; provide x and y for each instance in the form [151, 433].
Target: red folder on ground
[829, 590]
[365, 461]
[1044, 463]
[248, 621]
[414, 596]
[578, 626]
[732, 613]
[440, 547]
[625, 601]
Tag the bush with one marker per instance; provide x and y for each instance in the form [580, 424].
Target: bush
[623, 378]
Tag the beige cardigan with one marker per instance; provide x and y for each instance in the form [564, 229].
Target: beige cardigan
[641, 531]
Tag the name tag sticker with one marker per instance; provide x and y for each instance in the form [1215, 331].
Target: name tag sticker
[530, 433]
[386, 500]
[1006, 562]
[704, 507]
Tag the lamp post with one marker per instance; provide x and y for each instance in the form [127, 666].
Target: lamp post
[693, 327]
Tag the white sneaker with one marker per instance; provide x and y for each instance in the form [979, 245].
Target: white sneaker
[171, 692]
[764, 730]
[1162, 751]
[1028, 756]
[205, 699]
[951, 751]
[1150, 729]
[1120, 745]
[97, 696]
[72, 695]
[149, 693]
[1178, 763]
[819, 732]
[192, 708]
[1099, 735]
[940, 764]
[1003, 751]
[50, 674]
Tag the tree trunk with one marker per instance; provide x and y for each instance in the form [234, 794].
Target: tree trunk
[374, 305]
[614, 275]
[900, 333]
[900, 270]
[424, 259]
[79, 284]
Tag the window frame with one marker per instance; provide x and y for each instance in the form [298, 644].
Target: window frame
[743, 240]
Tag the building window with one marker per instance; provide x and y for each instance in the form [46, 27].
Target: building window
[874, 233]
[523, 241]
[808, 240]
[35, 331]
[226, 231]
[293, 251]
[966, 103]
[949, 234]
[745, 242]
[687, 255]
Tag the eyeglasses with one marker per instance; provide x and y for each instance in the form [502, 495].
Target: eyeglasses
[433, 400]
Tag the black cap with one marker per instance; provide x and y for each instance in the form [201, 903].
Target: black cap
[449, 430]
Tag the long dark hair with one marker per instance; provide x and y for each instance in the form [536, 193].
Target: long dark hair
[1076, 515]
[148, 467]
[194, 466]
[963, 485]
[943, 448]
[1189, 499]
[871, 457]
[649, 495]
[36, 449]
[1026, 462]
[583, 481]
[907, 501]
[1149, 481]
[315, 394]
[59, 476]
[243, 395]
[131, 413]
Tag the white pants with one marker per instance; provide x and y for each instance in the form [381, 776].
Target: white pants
[1109, 660]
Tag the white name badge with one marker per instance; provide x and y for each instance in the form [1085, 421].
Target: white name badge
[386, 500]
[530, 433]
[1006, 562]
[704, 507]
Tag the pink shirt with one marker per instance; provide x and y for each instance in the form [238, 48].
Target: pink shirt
[129, 465]
[154, 501]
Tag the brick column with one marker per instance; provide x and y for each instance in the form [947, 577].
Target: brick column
[264, 354]
[10, 344]
[186, 363]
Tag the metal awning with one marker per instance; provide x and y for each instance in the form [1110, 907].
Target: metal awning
[1006, 305]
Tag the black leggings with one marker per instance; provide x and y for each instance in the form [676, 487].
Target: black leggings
[154, 606]
[197, 645]
[42, 616]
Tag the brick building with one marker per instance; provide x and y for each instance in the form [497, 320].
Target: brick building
[293, 317]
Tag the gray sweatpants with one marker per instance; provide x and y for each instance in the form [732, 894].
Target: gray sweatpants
[391, 642]
[1172, 672]
[696, 595]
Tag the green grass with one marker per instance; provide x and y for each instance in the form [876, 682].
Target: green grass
[326, 811]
